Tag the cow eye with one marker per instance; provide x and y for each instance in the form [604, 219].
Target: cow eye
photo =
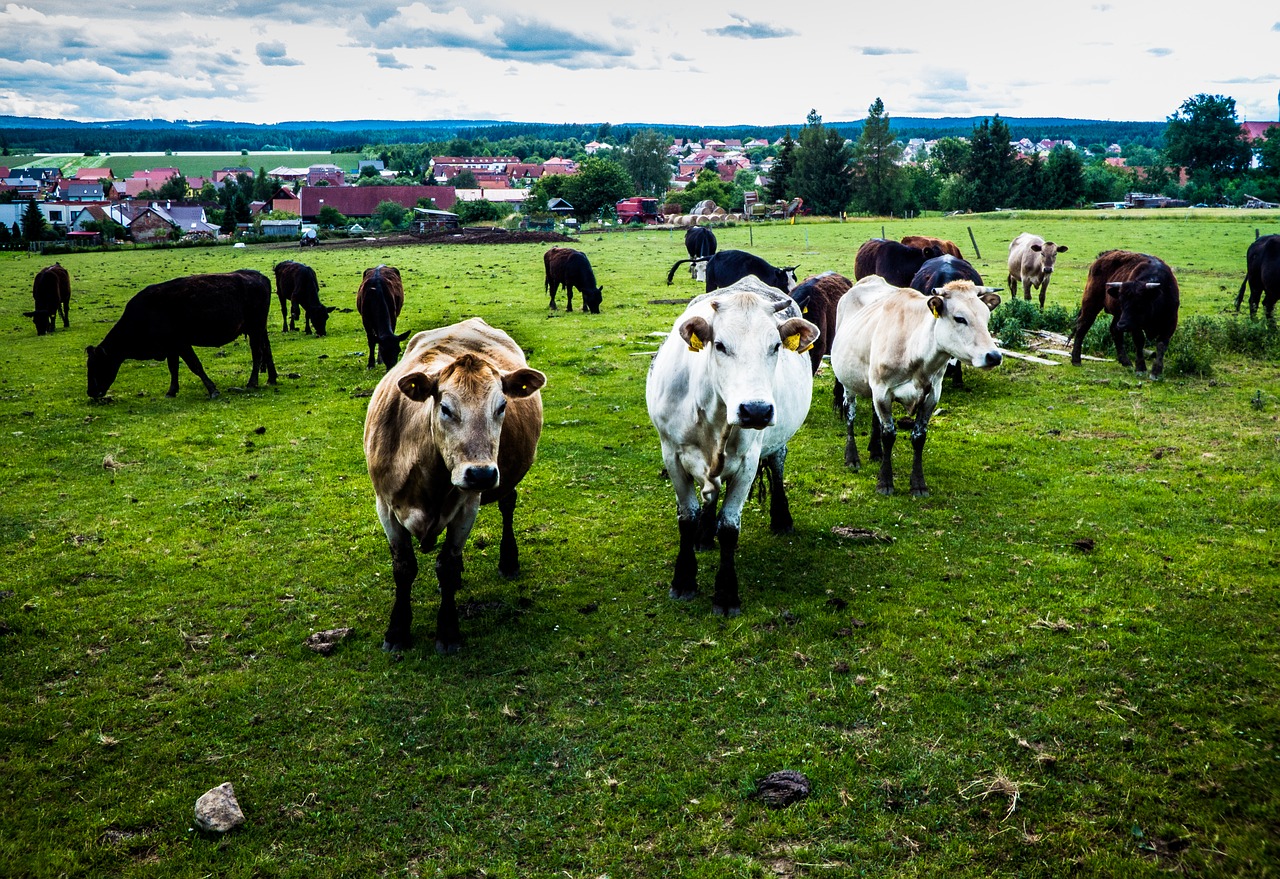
[776, 347]
[446, 412]
[961, 321]
[721, 348]
[502, 407]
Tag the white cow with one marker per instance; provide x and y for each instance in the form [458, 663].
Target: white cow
[727, 390]
[892, 344]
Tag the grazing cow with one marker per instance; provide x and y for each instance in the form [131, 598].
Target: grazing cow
[164, 321]
[893, 344]
[1141, 294]
[938, 272]
[379, 300]
[726, 391]
[453, 426]
[891, 260]
[296, 283]
[571, 268]
[700, 241]
[1031, 260]
[727, 267]
[1262, 274]
[941, 246]
[51, 291]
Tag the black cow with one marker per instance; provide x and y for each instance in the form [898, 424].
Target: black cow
[1262, 274]
[296, 283]
[166, 321]
[936, 273]
[51, 291]
[379, 300]
[1140, 292]
[571, 269]
[700, 241]
[894, 261]
[730, 266]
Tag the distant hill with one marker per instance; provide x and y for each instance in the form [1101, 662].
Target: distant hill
[29, 134]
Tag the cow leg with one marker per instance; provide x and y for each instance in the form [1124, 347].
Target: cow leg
[1044, 288]
[684, 582]
[956, 373]
[568, 298]
[875, 446]
[1118, 338]
[193, 363]
[725, 602]
[887, 433]
[1088, 312]
[373, 346]
[707, 526]
[851, 440]
[174, 360]
[838, 398]
[449, 575]
[780, 521]
[294, 308]
[65, 308]
[509, 556]
[1026, 290]
[404, 568]
[919, 434]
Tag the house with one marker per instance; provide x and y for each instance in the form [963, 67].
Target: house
[149, 225]
[92, 174]
[557, 165]
[361, 201]
[330, 174]
[1256, 131]
[595, 146]
[71, 190]
[233, 173]
[286, 200]
[281, 228]
[288, 175]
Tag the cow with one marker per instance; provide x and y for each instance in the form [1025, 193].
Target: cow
[818, 297]
[571, 269]
[1140, 293]
[941, 246]
[893, 344]
[1262, 275]
[451, 427]
[166, 321]
[51, 291]
[379, 300]
[938, 272]
[296, 283]
[1031, 260]
[727, 267]
[891, 260]
[726, 391]
[700, 242]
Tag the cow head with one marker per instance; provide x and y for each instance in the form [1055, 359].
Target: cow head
[320, 317]
[591, 299]
[102, 371]
[962, 311]
[43, 319]
[743, 341]
[1133, 302]
[389, 348]
[1048, 255]
[469, 401]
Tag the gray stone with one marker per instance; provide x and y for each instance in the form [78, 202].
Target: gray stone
[218, 810]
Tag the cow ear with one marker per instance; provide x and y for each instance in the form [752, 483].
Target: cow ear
[418, 386]
[1062, 248]
[403, 336]
[798, 334]
[89, 350]
[696, 333]
[522, 383]
[28, 314]
[331, 309]
[991, 300]
[1037, 248]
[937, 306]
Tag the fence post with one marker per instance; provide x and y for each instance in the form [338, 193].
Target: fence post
[974, 242]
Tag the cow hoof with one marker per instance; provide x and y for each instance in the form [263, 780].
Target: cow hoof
[884, 489]
[447, 649]
[919, 492]
[726, 612]
[676, 595]
[389, 646]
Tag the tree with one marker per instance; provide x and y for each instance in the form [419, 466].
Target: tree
[34, 226]
[1269, 152]
[480, 211]
[1205, 138]
[990, 168]
[331, 218]
[784, 165]
[708, 185]
[389, 215]
[175, 188]
[950, 155]
[599, 183]
[877, 180]
[464, 179]
[1063, 179]
[264, 187]
[645, 159]
[821, 176]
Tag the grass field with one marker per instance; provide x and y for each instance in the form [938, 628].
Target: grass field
[973, 696]
[123, 165]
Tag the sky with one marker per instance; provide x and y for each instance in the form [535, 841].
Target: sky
[695, 62]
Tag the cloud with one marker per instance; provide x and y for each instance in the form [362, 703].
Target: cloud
[1160, 52]
[275, 55]
[750, 30]
[388, 61]
[884, 50]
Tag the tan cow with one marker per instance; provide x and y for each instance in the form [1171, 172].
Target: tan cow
[1031, 260]
[893, 344]
[452, 426]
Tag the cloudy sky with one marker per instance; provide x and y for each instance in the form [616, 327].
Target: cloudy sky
[765, 62]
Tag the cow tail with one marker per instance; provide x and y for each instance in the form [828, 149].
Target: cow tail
[760, 485]
[1240, 295]
[671, 274]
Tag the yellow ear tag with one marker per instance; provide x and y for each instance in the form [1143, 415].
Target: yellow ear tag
[695, 344]
[934, 310]
[413, 387]
[792, 342]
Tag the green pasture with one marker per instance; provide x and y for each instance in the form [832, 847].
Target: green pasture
[123, 165]
[1064, 661]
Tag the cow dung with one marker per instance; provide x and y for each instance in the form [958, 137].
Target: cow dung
[779, 789]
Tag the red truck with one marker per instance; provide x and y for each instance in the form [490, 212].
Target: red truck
[638, 210]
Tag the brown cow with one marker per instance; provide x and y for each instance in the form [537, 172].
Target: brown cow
[452, 426]
[379, 300]
[571, 269]
[51, 291]
[1141, 294]
[1031, 260]
[296, 283]
[818, 297]
[941, 245]
[897, 263]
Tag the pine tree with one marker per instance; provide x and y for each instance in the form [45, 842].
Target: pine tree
[877, 178]
[33, 223]
[784, 164]
[821, 175]
[990, 168]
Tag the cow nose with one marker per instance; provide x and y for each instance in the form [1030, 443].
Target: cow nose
[481, 477]
[994, 358]
[756, 414]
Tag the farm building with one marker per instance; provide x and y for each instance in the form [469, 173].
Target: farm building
[361, 201]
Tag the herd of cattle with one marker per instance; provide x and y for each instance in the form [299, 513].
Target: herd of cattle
[454, 423]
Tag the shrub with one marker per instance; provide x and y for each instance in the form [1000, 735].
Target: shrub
[1194, 346]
